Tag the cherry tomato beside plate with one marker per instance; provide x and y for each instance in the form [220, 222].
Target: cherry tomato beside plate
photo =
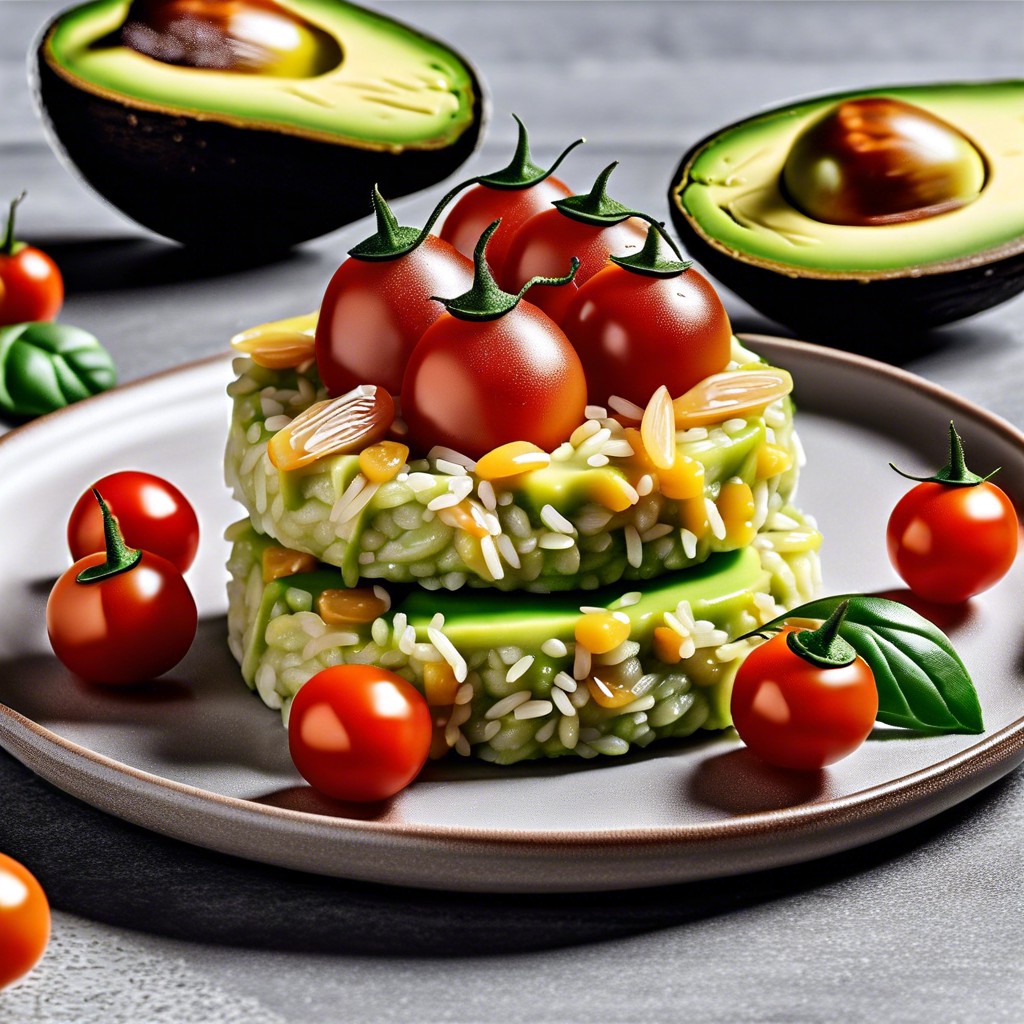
[795, 713]
[378, 304]
[31, 286]
[122, 615]
[954, 534]
[24, 921]
[152, 513]
[357, 732]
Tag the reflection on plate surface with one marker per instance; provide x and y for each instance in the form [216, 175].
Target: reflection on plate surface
[198, 757]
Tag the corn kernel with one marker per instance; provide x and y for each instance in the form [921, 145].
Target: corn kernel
[280, 344]
[510, 460]
[465, 516]
[600, 632]
[439, 684]
[693, 516]
[382, 461]
[357, 605]
[667, 645]
[685, 479]
[611, 490]
[772, 460]
[608, 695]
[640, 457]
[279, 562]
[736, 506]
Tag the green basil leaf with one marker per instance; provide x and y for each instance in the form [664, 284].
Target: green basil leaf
[46, 366]
[922, 683]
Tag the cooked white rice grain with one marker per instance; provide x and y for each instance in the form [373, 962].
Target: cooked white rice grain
[634, 546]
[520, 668]
[562, 702]
[564, 681]
[533, 709]
[508, 704]
[449, 653]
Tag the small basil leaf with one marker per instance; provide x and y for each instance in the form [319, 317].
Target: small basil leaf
[922, 683]
[46, 366]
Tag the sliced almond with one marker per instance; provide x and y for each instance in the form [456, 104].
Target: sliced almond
[732, 393]
[658, 429]
[347, 423]
[279, 344]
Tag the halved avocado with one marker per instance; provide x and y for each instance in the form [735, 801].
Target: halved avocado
[861, 284]
[247, 159]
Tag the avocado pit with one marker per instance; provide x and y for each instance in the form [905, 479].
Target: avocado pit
[244, 36]
[879, 160]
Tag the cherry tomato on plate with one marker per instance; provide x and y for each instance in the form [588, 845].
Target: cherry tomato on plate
[799, 713]
[378, 304]
[512, 195]
[647, 321]
[589, 227]
[31, 286]
[955, 534]
[492, 370]
[120, 615]
[151, 512]
[357, 732]
[24, 921]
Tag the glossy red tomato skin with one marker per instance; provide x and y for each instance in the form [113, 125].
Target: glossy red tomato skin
[360, 733]
[950, 543]
[374, 312]
[474, 386]
[481, 205]
[128, 628]
[24, 921]
[635, 333]
[152, 513]
[546, 243]
[794, 714]
[31, 286]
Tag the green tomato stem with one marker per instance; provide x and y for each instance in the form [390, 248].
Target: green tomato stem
[120, 557]
[7, 249]
[824, 646]
[653, 260]
[486, 300]
[522, 172]
[955, 473]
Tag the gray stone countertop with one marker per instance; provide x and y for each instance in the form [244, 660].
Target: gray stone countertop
[921, 927]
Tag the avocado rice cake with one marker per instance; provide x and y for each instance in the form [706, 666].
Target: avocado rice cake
[513, 677]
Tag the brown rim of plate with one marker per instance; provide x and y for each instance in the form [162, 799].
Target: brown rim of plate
[977, 763]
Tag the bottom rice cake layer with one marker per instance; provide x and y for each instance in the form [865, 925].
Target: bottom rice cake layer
[516, 676]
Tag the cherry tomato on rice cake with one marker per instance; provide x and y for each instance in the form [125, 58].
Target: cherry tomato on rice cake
[955, 534]
[512, 195]
[121, 615]
[151, 512]
[645, 321]
[378, 303]
[589, 227]
[358, 732]
[24, 921]
[492, 370]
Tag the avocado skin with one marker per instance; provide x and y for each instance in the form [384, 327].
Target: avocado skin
[229, 188]
[883, 316]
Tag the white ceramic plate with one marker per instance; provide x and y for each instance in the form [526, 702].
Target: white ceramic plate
[200, 759]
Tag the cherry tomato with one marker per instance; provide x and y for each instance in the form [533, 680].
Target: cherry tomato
[24, 921]
[949, 542]
[795, 714]
[374, 312]
[31, 286]
[481, 205]
[152, 513]
[635, 333]
[357, 732]
[544, 245]
[129, 618]
[474, 385]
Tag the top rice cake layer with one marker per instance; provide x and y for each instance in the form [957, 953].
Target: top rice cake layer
[596, 514]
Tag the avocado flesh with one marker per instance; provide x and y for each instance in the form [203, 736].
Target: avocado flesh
[730, 191]
[719, 590]
[393, 88]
